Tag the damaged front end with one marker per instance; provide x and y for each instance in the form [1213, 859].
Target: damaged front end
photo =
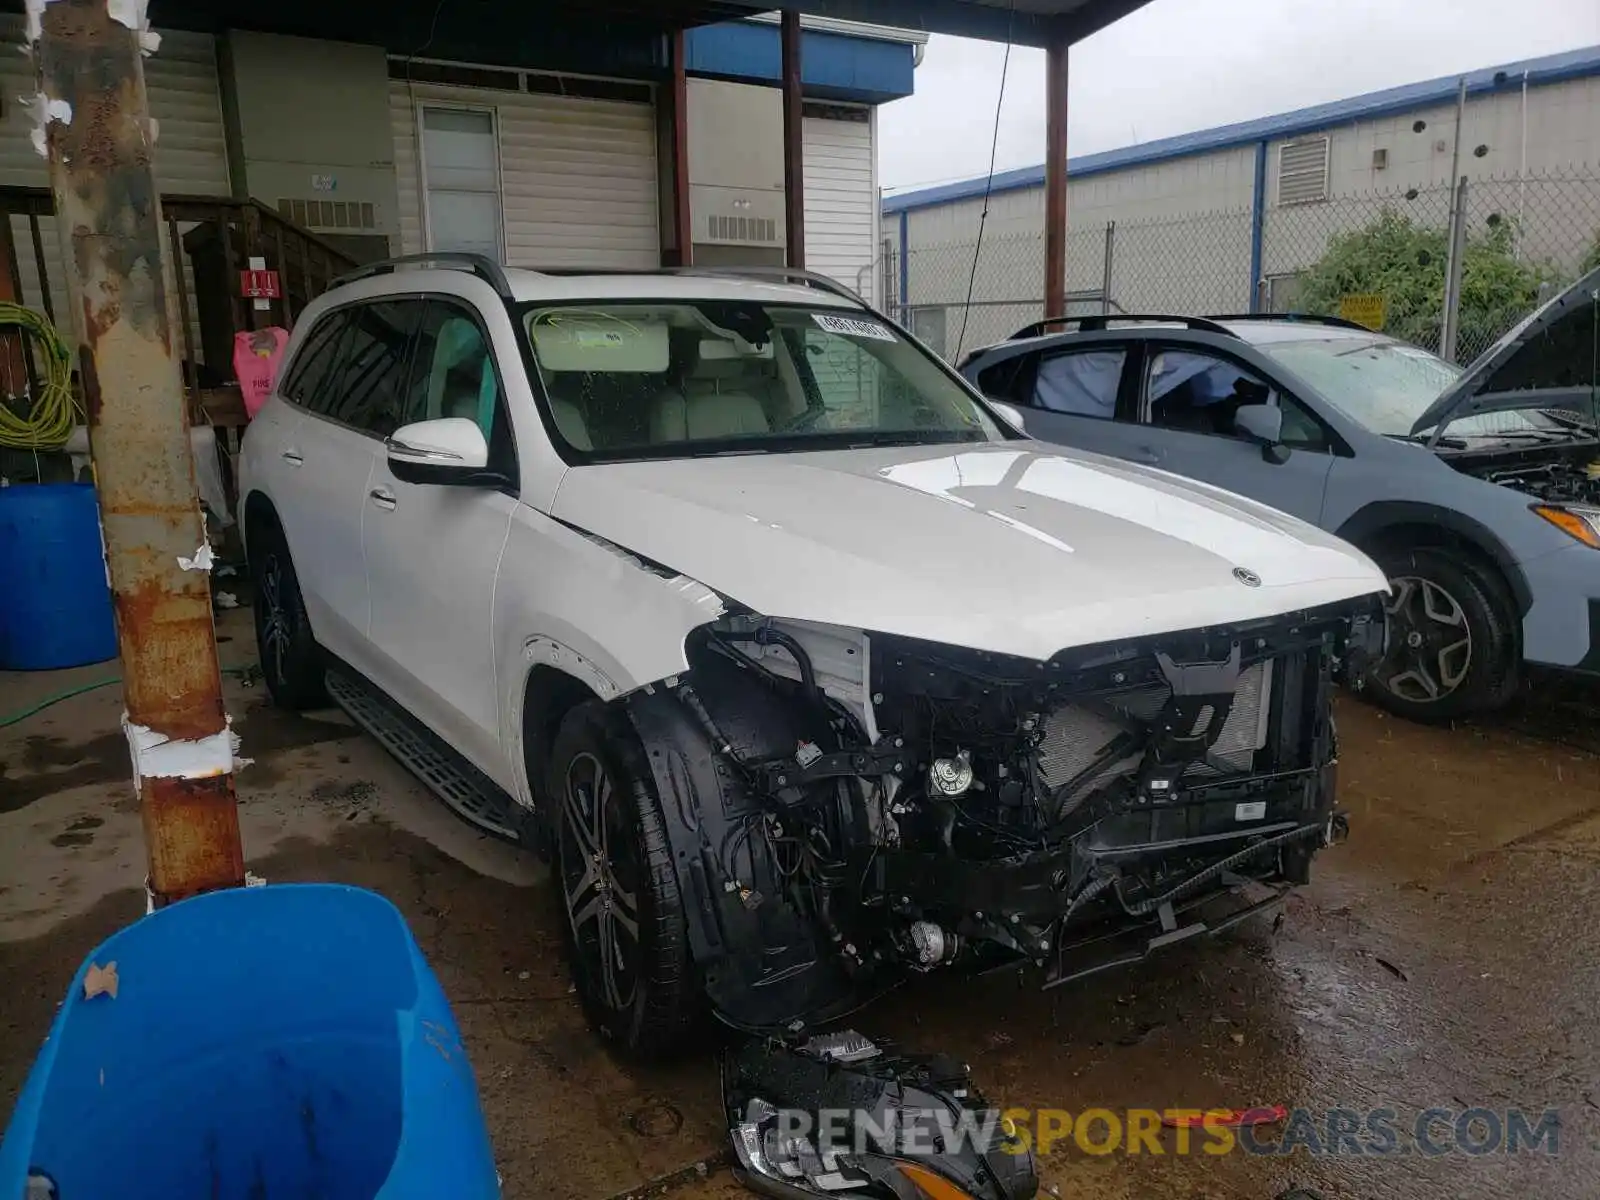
[848, 810]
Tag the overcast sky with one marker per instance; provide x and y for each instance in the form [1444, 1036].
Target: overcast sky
[1180, 65]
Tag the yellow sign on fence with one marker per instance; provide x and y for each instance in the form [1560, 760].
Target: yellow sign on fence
[1364, 308]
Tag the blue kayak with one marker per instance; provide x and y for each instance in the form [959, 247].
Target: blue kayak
[284, 1041]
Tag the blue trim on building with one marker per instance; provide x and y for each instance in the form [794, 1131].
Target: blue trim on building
[832, 66]
[1258, 221]
[1553, 68]
[905, 269]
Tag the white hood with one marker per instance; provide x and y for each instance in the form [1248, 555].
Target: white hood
[1000, 547]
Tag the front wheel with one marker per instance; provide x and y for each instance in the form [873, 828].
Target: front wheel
[621, 912]
[1450, 644]
[291, 661]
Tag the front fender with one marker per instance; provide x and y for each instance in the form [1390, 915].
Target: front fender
[556, 589]
[1373, 519]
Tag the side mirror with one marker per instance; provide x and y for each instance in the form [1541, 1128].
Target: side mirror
[1262, 424]
[451, 450]
[1010, 414]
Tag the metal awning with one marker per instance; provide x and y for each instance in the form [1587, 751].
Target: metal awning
[1026, 22]
[406, 26]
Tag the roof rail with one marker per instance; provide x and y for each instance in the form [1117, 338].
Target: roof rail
[481, 265]
[1296, 318]
[776, 274]
[779, 275]
[1099, 321]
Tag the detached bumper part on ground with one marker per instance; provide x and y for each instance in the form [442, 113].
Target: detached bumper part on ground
[841, 1116]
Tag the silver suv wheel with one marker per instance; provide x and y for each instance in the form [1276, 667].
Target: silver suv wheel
[1428, 650]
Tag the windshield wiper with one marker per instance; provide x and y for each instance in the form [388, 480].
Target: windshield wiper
[1422, 439]
[909, 437]
[834, 439]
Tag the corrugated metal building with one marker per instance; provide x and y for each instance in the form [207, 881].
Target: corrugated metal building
[538, 165]
[1227, 216]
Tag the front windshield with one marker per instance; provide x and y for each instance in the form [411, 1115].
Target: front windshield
[1387, 385]
[653, 379]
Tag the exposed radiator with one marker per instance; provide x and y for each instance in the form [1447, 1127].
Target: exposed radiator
[1077, 733]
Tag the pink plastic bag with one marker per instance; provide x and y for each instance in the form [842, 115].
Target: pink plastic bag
[256, 355]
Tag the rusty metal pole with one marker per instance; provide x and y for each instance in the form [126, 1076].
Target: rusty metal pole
[678, 108]
[1055, 178]
[794, 188]
[99, 139]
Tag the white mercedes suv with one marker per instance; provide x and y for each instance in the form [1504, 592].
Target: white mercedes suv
[806, 669]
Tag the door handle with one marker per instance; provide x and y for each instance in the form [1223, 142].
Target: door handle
[293, 457]
[1148, 455]
[383, 498]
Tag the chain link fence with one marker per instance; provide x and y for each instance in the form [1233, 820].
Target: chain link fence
[1380, 257]
[1006, 287]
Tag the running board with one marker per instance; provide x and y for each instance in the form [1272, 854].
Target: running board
[472, 794]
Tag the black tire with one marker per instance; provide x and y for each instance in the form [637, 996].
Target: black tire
[650, 998]
[292, 663]
[1451, 645]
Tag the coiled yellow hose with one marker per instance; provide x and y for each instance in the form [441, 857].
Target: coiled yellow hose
[49, 419]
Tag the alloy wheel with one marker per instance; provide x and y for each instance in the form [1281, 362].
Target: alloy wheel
[1429, 650]
[276, 629]
[599, 880]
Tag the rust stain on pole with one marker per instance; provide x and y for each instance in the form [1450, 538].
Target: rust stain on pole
[109, 209]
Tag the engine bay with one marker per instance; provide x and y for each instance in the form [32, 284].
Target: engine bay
[1554, 474]
[848, 810]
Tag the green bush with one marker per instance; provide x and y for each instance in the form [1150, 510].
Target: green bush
[1591, 260]
[1404, 262]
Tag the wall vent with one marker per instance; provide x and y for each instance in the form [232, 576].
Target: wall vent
[330, 214]
[1303, 171]
[742, 229]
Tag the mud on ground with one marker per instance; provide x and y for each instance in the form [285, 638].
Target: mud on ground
[1447, 956]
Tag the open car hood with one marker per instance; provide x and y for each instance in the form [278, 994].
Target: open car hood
[1004, 546]
[1546, 361]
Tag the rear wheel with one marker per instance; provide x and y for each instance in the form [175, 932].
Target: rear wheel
[291, 661]
[1450, 644]
[622, 916]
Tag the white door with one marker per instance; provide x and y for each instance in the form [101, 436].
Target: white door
[346, 412]
[433, 551]
[461, 171]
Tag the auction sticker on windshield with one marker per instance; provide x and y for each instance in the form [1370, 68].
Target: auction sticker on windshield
[851, 327]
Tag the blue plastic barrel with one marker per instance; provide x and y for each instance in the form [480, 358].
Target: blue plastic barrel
[287, 1040]
[55, 604]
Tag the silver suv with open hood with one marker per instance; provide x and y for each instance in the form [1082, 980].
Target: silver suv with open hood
[1477, 491]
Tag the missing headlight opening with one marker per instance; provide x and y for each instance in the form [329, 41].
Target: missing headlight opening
[847, 809]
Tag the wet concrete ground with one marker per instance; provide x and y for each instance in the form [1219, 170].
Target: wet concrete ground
[1448, 956]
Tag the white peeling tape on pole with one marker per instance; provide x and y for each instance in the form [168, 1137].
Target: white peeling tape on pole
[156, 756]
[41, 111]
[203, 559]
